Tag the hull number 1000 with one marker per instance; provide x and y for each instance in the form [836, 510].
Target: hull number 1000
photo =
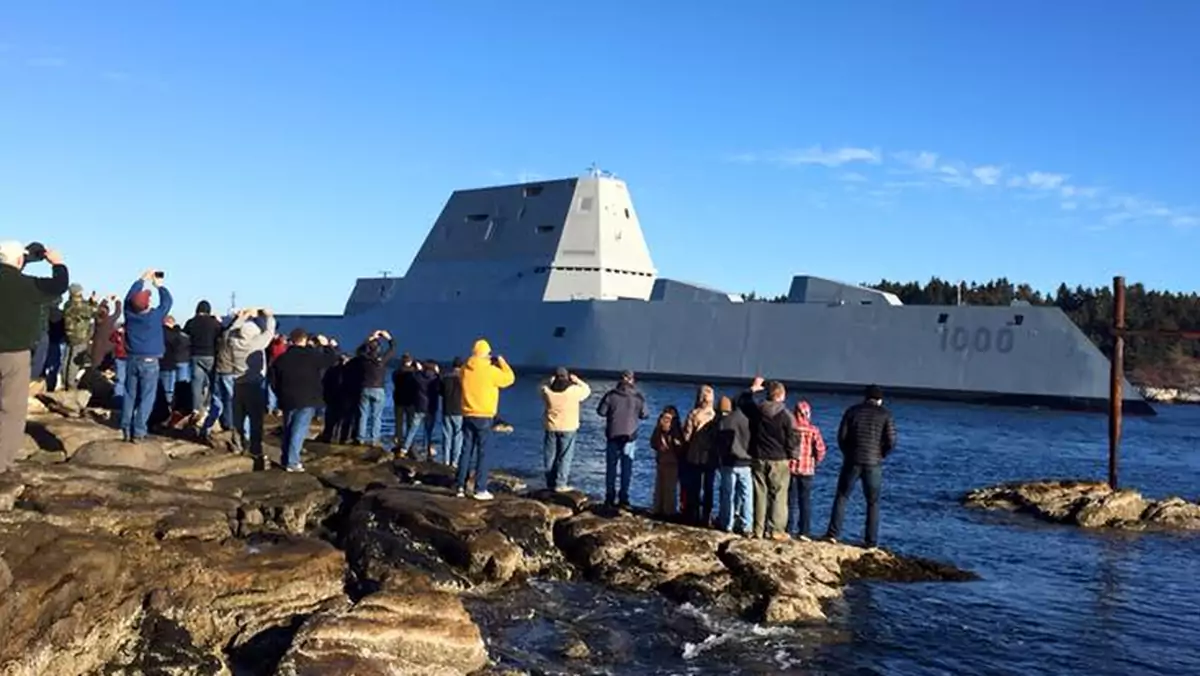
[982, 339]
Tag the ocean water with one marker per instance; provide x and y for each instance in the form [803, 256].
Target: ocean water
[1052, 599]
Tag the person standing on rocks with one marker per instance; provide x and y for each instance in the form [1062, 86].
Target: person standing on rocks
[623, 409]
[175, 365]
[697, 469]
[773, 441]
[21, 301]
[203, 331]
[810, 453]
[452, 412]
[866, 435]
[425, 381]
[77, 322]
[374, 366]
[404, 398]
[667, 443]
[296, 378]
[336, 428]
[107, 315]
[483, 377]
[144, 347]
[561, 397]
[247, 342]
[737, 477]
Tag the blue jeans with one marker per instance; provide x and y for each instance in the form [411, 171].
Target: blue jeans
[168, 377]
[203, 382]
[452, 437]
[122, 366]
[141, 389]
[370, 409]
[737, 497]
[618, 453]
[295, 432]
[800, 505]
[872, 481]
[221, 407]
[475, 433]
[272, 400]
[419, 420]
[558, 449]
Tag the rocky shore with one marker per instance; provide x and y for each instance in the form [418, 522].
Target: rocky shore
[1171, 395]
[173, 557]
[1088, 504]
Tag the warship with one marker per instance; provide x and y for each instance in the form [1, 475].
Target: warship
[558, 273]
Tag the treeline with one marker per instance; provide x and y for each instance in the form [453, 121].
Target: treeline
[1166, 362]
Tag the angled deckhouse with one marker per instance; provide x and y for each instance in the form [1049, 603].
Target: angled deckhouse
[558, 273]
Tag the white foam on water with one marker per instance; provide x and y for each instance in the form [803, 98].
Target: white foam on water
[723, 630]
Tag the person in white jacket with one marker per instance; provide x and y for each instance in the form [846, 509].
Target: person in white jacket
[562, 396]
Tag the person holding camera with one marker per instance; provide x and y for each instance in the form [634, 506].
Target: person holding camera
[22, 299]
[144, 348]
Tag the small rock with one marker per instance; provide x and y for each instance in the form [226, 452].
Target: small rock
[71, 403]
[576, 649]
[10, 491]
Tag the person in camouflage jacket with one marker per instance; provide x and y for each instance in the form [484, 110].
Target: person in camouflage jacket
[77, 321]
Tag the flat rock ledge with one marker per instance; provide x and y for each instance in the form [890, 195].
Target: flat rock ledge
[176, 557]
[1088, 504]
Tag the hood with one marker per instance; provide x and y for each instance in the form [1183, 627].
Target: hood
[203, 308]
[803, 410]
[772, 408]
[481, 348]
[626, 388]
[250, 330]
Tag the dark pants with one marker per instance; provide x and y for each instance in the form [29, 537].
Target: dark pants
[249, 403]
[872, 481]
[475, 435]
[54, 359]
[800, 505]
[698, 482]
[37, 366]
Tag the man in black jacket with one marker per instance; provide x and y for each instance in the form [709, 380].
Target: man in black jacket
[452, 412]
[203, 331]
[737, 477]
[21, 301]
[374, 365]
[296, 378]
[175, 365]
[404, 399]
[624, 409]
[773, 441]
[866, 436]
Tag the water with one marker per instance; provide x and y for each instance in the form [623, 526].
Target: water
[1052, 600]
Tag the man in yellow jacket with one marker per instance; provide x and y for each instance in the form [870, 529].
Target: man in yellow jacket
[482, 379]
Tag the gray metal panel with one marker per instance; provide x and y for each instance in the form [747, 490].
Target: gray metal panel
[809, 289]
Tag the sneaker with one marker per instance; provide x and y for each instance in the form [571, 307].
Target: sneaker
[461, 493]
[294, 468]
[483, 495]
[829, 539]
[563, 489]
[803, 538]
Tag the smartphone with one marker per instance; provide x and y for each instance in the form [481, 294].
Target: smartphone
[159, 274]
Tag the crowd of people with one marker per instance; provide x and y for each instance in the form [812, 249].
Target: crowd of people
[742, 464]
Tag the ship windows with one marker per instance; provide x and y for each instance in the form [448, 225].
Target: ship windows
[533, 190]
[585, 204]
[476, 218]
[943, 317]
[627, 213]
[545, 229]
[1019, 319]
[560, 331]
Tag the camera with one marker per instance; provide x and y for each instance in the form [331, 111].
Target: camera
[159, 274]
[35, 252]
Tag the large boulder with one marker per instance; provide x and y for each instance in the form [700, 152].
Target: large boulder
[463, 542]
[146, 454]
[288, 502]
[71, 403]
[414, 634]
[68, 435]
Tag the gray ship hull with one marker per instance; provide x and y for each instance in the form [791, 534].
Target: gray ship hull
[1030, 356]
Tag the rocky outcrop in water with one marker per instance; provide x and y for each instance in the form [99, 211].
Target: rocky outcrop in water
[1171, 395]
[1088, 504]
[175, 557]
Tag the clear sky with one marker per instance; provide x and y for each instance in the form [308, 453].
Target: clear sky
[282, 149]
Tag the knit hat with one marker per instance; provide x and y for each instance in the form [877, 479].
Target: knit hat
[140, 301]
[627, 375]
[203, 308]
[874, 392]
[76, 289]
[562, 373]
[10, 251]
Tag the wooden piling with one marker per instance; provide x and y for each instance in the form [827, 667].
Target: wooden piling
[1116, 379]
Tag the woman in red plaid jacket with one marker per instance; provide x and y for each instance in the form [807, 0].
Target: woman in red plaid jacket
[810, 453]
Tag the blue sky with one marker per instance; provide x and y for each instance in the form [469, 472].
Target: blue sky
[282, 149]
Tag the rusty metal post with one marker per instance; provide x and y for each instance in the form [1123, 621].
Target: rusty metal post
[1116, 379]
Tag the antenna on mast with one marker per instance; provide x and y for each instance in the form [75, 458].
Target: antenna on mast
[385, 273]
[595, 171]
[233, 301]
